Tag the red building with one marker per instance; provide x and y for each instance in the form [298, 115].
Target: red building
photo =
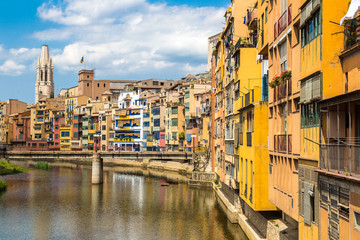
[76, 136]
[59, 119]
[21, 131]
[162, 141]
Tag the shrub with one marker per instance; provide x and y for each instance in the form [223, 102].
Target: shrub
[3, 185]
[42, 165]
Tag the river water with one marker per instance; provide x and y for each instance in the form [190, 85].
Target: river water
[63, 204]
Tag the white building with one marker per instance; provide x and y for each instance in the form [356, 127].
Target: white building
[129, 120]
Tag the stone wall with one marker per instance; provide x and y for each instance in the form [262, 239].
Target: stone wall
[203, 176]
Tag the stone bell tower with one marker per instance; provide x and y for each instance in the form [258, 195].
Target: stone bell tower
[44, 86]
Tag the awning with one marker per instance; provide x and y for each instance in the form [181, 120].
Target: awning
[354, 10]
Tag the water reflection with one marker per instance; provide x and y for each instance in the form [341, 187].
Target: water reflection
[62, 204]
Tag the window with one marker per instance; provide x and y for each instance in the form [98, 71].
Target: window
[156, 111]
[37, 136]
[103, 137]
[87, 84]
[162, 137]
[357, 220]
[311, 29]
[65, 134]
[104, 85]
[155, 83]
[187, 94]
[250, 121]
[174, 122]
[283, 56]
[103, 127]
[103, 147]
[146, 124]
[174, 136]
[187, 107]
[76, 135]
[56, 127]
[76, 125]
[309, 115]
[33, 144]
[98, 84]
[174, 110]
[266, 15]
[56, 136]
[156, 122]
[104, 118]
[161, 84]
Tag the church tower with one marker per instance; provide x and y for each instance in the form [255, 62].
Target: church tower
[44, 86]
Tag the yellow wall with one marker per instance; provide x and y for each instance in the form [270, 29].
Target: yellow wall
[65, 142]
[310, 59]
[333, 44]
[306, 231]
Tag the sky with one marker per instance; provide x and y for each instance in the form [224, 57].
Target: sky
[120, 39]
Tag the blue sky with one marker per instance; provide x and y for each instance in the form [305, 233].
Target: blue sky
[120, 39]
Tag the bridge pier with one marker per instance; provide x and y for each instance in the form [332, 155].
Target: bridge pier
[97, 169]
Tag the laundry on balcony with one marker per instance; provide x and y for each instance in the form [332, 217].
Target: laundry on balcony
[353, 11]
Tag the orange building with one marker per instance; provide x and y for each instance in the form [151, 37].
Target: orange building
[284, 114]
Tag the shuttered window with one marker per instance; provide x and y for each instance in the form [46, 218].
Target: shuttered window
[310, 89]
[308, 203]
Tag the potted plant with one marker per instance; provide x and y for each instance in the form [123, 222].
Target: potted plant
[285, 76]
[275, 81]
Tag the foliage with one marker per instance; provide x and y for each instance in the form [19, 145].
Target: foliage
[275, 81]
[216, 181]
[182, 135]
[285, 75]
[282, 79]
[8, 168]
[42, 165]
[3, 185]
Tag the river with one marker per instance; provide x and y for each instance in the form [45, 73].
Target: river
[62, 204]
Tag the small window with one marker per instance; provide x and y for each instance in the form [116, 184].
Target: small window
[87, 76]
[103, 137]
[104, 85]
[357, 220]
[87, 84]
[98, 84]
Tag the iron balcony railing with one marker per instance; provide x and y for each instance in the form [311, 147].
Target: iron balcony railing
[281, 24]
[283, 143]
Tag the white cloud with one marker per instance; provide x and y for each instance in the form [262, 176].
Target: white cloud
[11, 68]
[130, 37]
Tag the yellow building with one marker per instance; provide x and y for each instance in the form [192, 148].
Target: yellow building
[65, 138]
[174, 121]
[70, 105]
[252, 131]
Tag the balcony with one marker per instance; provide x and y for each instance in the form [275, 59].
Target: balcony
[341, 159]
[281, 24]
[282, 90]
[283, 143]
[251, 18]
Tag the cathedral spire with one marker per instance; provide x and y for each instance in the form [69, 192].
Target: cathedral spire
[44, 86]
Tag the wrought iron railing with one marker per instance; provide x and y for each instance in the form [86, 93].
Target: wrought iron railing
[281, 24]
